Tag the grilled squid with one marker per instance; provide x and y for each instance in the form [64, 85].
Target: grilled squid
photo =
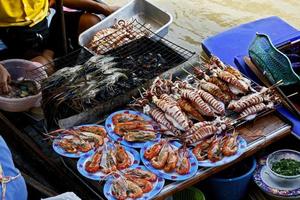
[196, 99]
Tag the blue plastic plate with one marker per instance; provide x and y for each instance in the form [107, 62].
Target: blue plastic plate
[133, 154]
[157, 187]
[241, 149]
[172, 175]
[62, 152]
[110, 129]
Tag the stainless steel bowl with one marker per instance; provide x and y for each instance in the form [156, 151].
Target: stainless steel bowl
[277, 156]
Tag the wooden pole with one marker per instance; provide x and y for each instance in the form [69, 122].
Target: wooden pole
[60, 14]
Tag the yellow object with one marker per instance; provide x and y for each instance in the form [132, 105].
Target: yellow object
[22, 12]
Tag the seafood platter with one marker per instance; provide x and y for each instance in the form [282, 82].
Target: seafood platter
[139, 184]
[178, 125]
[77, 141]
[131, 128]
[107, 159]
[105, 82]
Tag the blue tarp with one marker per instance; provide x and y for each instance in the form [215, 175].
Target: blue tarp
[232, 45]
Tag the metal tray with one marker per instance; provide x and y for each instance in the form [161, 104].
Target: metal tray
[141, 10]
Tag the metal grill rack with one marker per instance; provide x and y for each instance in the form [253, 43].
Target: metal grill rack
[171, 54]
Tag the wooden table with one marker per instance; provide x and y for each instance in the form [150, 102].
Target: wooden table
[273, 128]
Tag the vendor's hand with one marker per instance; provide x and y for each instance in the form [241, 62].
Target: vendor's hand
[4, 80]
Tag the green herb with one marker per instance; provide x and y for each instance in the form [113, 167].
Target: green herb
[287, 167]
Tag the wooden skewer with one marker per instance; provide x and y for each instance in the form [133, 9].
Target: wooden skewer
[295, 93]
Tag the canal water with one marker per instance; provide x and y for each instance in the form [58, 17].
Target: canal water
[195, 20]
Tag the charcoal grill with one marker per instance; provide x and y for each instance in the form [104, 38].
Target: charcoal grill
[172, 55]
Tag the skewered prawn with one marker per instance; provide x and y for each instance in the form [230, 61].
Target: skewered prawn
[188, 108]
[183, 165]
[173, 113]
[196, 99]
[215, 104]
[160, 118]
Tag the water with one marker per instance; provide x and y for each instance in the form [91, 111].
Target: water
[195, 20]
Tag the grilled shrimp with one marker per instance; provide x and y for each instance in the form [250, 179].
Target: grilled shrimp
[214, 152]
[160, 160]
[139, 173]
[183, 164]
[200, 150]
[93, 165]
[122, 158]
[230, 145]
[172, 161]
[139, 136]
[125, 117]
[145, 185]
[154, 150]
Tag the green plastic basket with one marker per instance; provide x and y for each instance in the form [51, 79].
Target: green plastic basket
[275, 65]
[191, 193]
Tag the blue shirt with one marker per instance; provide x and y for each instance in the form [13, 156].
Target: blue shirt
[16, 189]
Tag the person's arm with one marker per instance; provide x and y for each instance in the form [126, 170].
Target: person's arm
[4, 80]
[90, 6]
